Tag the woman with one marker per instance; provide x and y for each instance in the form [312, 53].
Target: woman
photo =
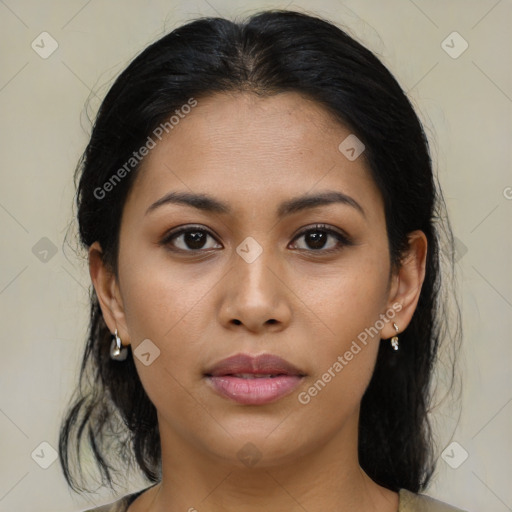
[262, 225]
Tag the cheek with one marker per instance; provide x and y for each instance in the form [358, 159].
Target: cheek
[171, 306]
[161, 298]
[345, 300]
[161, 305]
[347, 307]
[333, 396]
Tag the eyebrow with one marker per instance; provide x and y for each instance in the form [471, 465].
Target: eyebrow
[210, 204]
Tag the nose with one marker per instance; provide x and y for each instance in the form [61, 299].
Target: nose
[256, 296]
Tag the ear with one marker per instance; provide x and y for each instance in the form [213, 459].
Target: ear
[107, 290]
[407, 282]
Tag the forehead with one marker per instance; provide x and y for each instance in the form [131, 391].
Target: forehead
[243, 146]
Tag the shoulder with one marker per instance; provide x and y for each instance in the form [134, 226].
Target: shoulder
[121, 505]
[411, 502]
[117, 506]
[112, 507]
[408, 502]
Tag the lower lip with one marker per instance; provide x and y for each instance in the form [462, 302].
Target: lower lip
[261, 390]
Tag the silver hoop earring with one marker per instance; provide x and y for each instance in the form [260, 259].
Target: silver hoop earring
[394, 339]
[117, 351]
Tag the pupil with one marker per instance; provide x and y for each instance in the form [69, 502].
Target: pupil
[194, 239]
[316, 239]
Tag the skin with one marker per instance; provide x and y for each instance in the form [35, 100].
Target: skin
[294, 301]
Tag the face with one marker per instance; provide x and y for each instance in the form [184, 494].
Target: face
[306, 282]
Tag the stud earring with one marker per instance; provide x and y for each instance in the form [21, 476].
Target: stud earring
[394, 339]
[117, 351]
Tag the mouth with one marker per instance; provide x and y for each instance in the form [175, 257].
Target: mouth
[252, 380]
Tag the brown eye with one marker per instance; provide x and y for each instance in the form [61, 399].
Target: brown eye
[317, 239]
[189, 239]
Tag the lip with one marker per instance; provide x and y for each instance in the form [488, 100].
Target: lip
[262, 364]
[226, 378]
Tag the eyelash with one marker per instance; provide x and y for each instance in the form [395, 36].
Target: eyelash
[343, 240]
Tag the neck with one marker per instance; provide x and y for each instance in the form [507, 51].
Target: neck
[316, 479]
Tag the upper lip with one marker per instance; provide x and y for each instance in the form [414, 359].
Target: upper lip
[262, 364]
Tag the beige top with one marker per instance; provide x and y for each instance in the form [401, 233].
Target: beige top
[407, 502]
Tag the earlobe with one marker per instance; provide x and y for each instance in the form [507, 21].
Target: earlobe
[408, 282]
[107, 291]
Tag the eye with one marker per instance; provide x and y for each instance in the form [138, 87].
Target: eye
[316, 238]
[195, 239]
[189, 239]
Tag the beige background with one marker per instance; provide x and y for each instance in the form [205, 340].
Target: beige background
[465, 103]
